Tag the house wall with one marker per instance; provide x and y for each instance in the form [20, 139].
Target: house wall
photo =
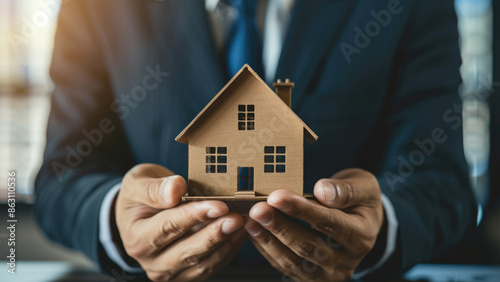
[274, 126]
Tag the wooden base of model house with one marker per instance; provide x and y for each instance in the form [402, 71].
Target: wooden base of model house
[235, 198]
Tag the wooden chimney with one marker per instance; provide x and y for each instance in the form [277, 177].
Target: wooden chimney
[284, 90]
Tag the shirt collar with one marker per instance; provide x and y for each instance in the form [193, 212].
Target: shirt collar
[283, 5]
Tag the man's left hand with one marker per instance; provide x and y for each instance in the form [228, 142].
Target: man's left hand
[347, 211]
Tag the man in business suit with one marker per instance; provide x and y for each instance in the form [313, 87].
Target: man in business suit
[376, 80]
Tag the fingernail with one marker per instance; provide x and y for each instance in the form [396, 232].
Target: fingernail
[253, 229]
[328, 191]
[214, 213]
[164, 185]
[229, 227]
[264, 218]
[281, 205]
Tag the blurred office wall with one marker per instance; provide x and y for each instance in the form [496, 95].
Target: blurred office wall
[27, 31]
[476, 22]
[493, 228]
[476, 25]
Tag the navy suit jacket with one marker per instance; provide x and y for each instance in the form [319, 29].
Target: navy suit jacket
[376, 80]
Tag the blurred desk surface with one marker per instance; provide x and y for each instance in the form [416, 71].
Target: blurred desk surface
[454, 272]
[40, 271]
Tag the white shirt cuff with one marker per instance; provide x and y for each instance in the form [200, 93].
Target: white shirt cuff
[105, 232]
[392, 228]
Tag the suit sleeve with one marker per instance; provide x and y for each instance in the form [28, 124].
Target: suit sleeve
[86, 153]
[423, 170]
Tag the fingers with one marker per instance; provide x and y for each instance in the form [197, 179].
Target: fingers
[210, 265]
[153, 186]
[190, 251]
[348, 211]
[215, 261]
[295, 251]
[347, 188]
[278, 254]
[168, 225]
[167, 239]
[269, 258]
[302, 242]
[332, 222]
[296, 274]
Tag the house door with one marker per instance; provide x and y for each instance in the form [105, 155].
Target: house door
[245, 178]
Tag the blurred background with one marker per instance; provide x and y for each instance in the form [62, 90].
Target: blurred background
[27, 31]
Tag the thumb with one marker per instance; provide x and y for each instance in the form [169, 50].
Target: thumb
[334, 193]
[164, 193]
[358, 188]
[153, 186]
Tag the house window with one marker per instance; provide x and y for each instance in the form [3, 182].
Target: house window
[274, 159]
[216, 160]
[246, 117]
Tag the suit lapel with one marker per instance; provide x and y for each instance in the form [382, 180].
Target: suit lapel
[181, 31]
[312, 33]
[181, 28]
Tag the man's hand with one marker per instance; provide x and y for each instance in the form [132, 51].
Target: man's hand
[170, 242]
[349, 214]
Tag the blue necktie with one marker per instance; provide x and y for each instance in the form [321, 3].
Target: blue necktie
[244, 44]
[244, 47]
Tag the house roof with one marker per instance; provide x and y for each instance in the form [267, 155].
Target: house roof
[183, 136]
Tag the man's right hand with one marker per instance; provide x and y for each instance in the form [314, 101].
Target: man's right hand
[170, 242]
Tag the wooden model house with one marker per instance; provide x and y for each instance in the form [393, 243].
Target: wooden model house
[246, 142]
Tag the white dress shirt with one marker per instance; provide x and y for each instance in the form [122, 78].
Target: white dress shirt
[273, 17]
